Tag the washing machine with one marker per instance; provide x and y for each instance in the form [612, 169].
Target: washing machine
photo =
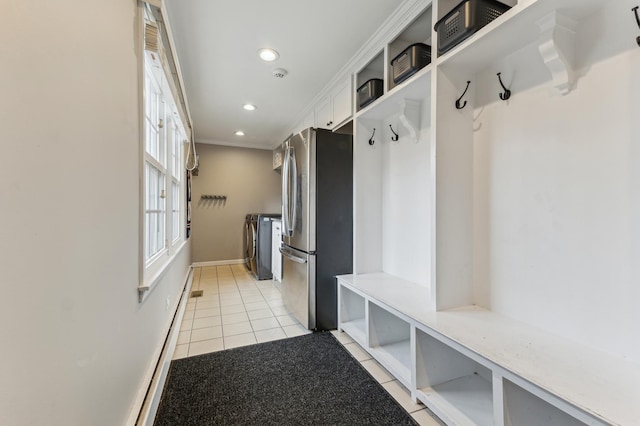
[258, 244]
[248, 241]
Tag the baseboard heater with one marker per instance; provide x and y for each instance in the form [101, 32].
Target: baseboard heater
[151, 401]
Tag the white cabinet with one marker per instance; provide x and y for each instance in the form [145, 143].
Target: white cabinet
[336, 108]
[276, 256]
[341, 102]
[324, 116]
[476, 221]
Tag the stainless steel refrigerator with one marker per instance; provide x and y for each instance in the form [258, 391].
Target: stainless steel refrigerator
[317, 224]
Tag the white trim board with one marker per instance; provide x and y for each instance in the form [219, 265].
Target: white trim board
[149, 395]
[218, 263]
[247, 145]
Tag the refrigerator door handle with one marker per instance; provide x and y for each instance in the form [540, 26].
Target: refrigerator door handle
[289, 194]
[292, 257]
[285, 193]
[294, 194]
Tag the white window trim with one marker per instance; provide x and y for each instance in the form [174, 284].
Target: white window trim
[158, 262]
[151, 270]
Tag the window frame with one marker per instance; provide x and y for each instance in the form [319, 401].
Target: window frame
[168, 160]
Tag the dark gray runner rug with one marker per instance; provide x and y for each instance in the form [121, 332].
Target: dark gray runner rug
[306, 380]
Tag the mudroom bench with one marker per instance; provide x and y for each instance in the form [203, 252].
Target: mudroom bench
[473, 366]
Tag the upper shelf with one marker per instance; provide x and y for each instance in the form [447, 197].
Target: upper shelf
[416, 88]
[510, 32]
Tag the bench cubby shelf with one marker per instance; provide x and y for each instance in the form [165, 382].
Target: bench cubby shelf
[389, 340]
[472, 366]
[352, 312]
[455, 385]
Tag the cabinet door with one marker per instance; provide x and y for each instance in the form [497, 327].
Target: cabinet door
[323, 114]
[341, 102]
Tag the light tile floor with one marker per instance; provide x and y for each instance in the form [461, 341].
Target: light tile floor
[234, 310]
[237, 310]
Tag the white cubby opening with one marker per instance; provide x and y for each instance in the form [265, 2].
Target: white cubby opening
[523, 407]
[518, 150]
[392, 180]
[453, 385]
[352, 315]
[419, 31]
[374, 69]
[390, 342]
[446, 6]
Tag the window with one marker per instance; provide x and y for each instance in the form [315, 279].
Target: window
[163, 172]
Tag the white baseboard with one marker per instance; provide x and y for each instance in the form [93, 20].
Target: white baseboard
[219, 263]
[149, 408]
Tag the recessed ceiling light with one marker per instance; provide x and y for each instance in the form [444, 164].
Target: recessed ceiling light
[249, 107]
[268, 55]
[239, 133]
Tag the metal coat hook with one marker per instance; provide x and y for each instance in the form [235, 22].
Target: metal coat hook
[371, 141]
[395, 135]
[458, 106]
[507, 93]
[635, 12]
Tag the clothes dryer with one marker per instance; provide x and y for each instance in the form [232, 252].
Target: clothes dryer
[258, 244]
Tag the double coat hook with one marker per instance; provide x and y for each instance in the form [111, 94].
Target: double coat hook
[458, 106]
[635, 12]
[507, 93]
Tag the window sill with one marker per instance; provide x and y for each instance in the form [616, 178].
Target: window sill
[149, 282]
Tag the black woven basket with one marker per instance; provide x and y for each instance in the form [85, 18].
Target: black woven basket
[465, 19]
[410, 61]
[370, 91]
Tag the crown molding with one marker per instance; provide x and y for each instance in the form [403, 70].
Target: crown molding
[395, 23]
[235, 144]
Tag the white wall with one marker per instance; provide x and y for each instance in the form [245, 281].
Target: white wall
[77, 346]
[559, 207]
[392, 195]
[405, 200]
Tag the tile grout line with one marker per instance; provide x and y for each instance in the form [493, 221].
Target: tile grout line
[264, 300]
[197, 302]
[224, 346]
[235, 281]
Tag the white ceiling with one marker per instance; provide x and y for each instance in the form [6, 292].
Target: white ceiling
[216, 45]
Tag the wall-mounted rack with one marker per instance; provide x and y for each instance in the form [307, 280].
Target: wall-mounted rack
[213, 197]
